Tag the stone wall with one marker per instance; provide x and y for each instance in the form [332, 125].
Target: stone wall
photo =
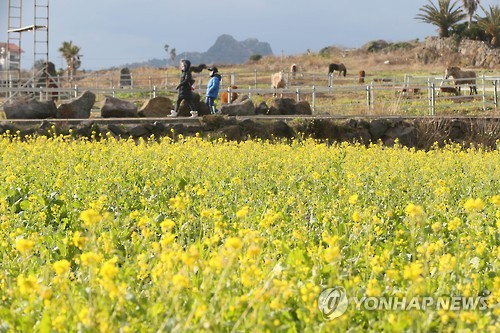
[466, 53]
[420, 133]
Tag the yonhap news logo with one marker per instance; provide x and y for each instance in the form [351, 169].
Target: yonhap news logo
[334, 302]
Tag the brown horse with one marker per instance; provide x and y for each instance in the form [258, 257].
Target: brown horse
[337, 67]
[361, 76]
[462, 77]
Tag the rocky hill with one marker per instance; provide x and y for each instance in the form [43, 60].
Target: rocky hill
[226, 50]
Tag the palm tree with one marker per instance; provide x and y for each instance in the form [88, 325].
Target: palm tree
[470, 7]
[444, 16]
[173, 54]
[491, 23]
[71, 55]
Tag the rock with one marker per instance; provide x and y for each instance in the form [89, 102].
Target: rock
[199, 106]
[118, 130]
[116, 108]
[139, 131]
[280, 129]
[282, 106]
[288, 106]
[125, 77]
[303, 108]
[31, 109]
[458, 130]
[405, 134]
[245, 108]
[78, 108]
[262, 108]
[232, 133]
[157, 107]
[377, 128]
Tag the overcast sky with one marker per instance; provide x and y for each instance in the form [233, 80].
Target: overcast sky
[115, 32]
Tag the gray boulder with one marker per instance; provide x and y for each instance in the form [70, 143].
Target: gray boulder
[116, 108]
[157, 107]
[30, 109]
[244, 107]
[78, 108]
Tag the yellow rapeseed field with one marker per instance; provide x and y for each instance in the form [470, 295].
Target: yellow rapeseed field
[196, 235]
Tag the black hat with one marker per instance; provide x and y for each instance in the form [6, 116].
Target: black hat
[213, 69]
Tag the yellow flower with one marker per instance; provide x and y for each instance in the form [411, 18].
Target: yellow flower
[253, 250]
[447, 263]
[90, 217]
[413, 210]
[78, 241]
[167, 225]
[495, 199]
[233, 243]
[473, 204]
[243, 212]
[332, 253]
[468, 317]
[109, 269]
[84, 317]
[373, 289]
[180, 281]
[90, 258]
[24, 245]
[356, 217]
[454, 224]
[61, 266]
[27, 285]
[353, 199]
[413, 271]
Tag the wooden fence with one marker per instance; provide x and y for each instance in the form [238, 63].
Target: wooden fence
[406, 95]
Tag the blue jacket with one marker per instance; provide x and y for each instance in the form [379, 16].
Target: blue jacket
[213, 86]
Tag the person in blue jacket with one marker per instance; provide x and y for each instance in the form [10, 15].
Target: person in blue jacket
[213, 89]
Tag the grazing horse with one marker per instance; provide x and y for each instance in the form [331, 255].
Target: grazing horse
[361, 76]
[337, 67]
[462, 77]
[293, 70]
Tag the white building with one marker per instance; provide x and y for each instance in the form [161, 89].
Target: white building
[10, 56]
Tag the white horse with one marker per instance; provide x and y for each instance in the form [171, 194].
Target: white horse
[462, 77]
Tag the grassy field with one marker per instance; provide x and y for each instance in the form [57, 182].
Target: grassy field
[197, 235]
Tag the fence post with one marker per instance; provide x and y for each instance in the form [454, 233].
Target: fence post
[314, 99]
[250, 92]
[495, 94]
[483, 83]
[155, 91]
[229, 99]
[368, 98]
[372, 97]
[432, 97]
[76, 91]
[297, 95]
[330, 80]
[150, 83]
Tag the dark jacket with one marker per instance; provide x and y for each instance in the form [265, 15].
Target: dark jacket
[184, 86]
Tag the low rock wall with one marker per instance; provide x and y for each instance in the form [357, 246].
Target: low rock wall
[419, 133]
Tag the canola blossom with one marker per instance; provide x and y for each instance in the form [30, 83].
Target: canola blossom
[206, 235]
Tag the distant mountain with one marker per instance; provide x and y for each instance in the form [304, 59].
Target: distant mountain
[226, 50]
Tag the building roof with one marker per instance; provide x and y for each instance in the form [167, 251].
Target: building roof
[12, 47]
